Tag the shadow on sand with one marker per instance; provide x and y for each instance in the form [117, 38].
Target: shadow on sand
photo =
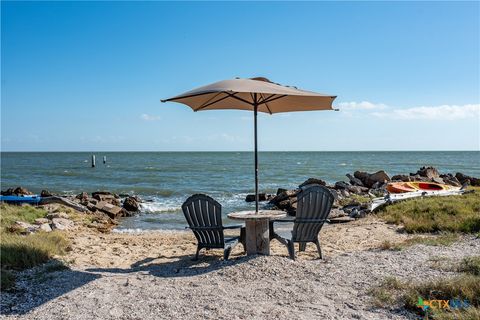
[41, 285]
[181, 266]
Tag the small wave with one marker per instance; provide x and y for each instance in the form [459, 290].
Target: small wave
[342, 164]
[156, 207]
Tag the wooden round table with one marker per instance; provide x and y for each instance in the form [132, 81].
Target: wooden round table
[256, 224]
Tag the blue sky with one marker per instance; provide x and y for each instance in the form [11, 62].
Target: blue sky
[89, 76]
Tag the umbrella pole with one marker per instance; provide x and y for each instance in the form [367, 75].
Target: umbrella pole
[255, 108]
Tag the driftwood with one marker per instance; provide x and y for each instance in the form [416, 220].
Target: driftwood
[66, 202]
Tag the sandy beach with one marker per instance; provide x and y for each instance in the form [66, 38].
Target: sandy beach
[150, 275]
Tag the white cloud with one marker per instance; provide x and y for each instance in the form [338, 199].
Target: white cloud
[363, 105]
[442, 112]
[148, 117]
[380, 110]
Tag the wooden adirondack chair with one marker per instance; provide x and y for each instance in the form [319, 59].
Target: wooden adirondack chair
[314, 203]
[204, 217]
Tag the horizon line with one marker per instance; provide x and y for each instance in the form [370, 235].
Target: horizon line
[210, 151]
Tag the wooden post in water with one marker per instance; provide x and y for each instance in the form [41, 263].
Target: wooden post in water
[93, 161]
[104, 159]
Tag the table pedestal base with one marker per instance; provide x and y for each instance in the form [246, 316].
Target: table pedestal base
[257, 236]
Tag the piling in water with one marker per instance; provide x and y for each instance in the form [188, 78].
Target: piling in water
[104, 159]
[93, 161]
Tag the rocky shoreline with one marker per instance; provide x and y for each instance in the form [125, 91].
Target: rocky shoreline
[352, 199]
[103, 207]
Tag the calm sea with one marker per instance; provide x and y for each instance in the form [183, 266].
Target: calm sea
[166, 179]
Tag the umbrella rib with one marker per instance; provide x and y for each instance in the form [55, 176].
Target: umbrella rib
[187, 96]
[270, 111]
[207, 104]
[238, 98]
[266, 99]
[212, 98]
[273, 99]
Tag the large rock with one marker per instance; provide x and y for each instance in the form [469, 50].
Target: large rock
[362, 175]
[463, 178]
[289, 205]
[45, 227]
[45, 193]
[438, 180]
[450, 179]
[82, 196]
[354, 181]
[428, 172]
[313, 181]
[284, 195]
[111, 210]
[8, 192]
[88, 201]
[379, 176]
[110, 198]
[341, 185]
[23, 227]
[251, 197]
[402, 177]
[357, 189]
[131, 204]
[20, 191]
[417, 177]
[62, 224]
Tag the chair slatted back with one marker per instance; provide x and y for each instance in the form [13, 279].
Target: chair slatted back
[204, 216]
[313, 207]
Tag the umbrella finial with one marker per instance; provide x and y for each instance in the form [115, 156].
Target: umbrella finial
[261, 79]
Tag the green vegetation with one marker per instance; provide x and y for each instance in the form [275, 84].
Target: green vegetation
[9, 214]
[444, 239]
[354, 199]
[437, 214]
[470, 265]
[22, 252]
[19, 252]
[465, 287]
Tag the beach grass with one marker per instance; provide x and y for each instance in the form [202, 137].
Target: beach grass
[9, 214]
[443, 239]
[470, 265]
[437, 214]
[354, 199]
[465, 287]
[19, 252]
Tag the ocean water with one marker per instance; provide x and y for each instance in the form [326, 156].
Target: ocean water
[166, 179]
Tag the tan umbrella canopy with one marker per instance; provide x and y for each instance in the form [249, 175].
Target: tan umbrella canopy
[256, 94]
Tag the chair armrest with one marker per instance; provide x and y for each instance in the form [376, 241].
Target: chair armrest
[238, 226]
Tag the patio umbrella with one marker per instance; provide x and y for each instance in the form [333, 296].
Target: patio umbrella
[257, 95]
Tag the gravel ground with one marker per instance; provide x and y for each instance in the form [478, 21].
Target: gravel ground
[242, 288]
